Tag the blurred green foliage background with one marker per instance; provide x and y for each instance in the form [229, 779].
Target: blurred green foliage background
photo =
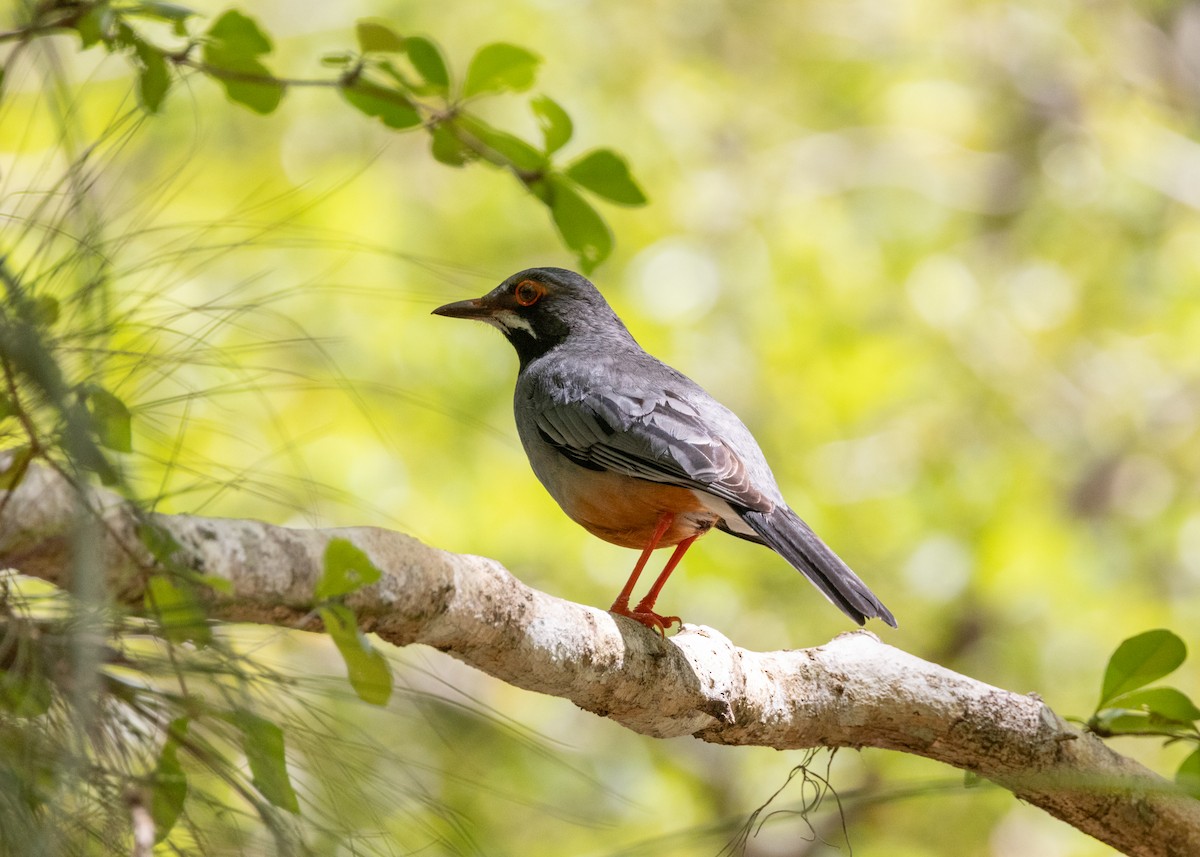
[943, 258]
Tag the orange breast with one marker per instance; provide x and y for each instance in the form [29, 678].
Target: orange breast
[626, 511]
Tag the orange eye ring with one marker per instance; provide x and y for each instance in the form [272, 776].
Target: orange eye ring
[528, 292]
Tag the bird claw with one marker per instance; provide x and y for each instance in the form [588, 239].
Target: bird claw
[648, 617]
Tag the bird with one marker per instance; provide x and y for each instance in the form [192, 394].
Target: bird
[635, 451]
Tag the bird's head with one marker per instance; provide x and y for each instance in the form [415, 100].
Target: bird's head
[539, 308]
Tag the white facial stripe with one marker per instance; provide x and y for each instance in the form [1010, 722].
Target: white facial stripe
[506, 319]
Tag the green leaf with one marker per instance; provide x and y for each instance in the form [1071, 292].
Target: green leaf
[402, 80]
[122, 36]
[40, 311]
[390, 106]
[89, 456]
[153, 79]
[582, 229]
[24, 689]
[341, 59]
[376, 37]
[162, 545]
[238, 35]
[1188, 775]
[1140, 660]
[346, 569]
[606, 174]
[427, 59]
[14, 464]
[231, 53]
[217, 584]
[261, 96]
[45, 311]
[1166, 703]
[7, 408]
[262, 742]
[500, 66]
[111, 420]
[502, 148]
[447, 149]
[1108, 722]
[162, 11]
[180, 616]
[166, 551]
[25, 695]
[368, 670]
[556, 125]
[169, 783]
[94, 25]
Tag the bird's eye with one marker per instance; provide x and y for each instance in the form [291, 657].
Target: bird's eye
[529, 292]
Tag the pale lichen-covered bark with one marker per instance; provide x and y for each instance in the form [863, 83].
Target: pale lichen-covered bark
[853, 692]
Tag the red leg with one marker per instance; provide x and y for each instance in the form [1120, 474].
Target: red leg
[644, 612]
[621, 605]
[647, 603]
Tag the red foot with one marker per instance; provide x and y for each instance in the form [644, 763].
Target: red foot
[644, 612]
[647, 617]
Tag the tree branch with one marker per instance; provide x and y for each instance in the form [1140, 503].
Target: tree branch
[853, 692]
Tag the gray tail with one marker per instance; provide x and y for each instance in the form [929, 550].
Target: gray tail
[782, 530]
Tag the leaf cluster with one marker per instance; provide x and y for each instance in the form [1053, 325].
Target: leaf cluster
[1128, 707]
[347, 569]
[47, 695]
[57, 415]
[403, 81]
[174, 599]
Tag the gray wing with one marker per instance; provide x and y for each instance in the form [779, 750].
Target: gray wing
[661, 438]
